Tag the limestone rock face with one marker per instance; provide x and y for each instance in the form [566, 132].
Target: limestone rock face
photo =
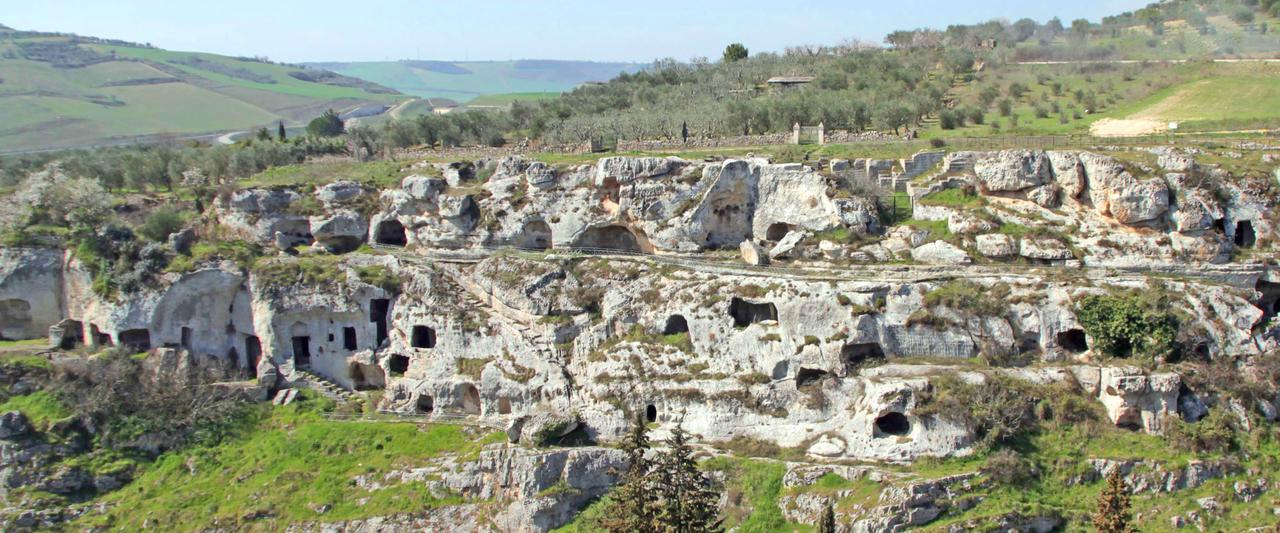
[1139, 202]
[339, 192]
[628, 169]
[31, 288]
[787, 245]
[343, 231]
[1133, 398]
[1044, 249]
[940, 253]
[1013, 170]
[423, 187]
[996, 246]
[1068, 173]
[262, 216]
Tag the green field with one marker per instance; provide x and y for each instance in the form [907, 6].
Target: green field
[503, 100]
[124, 92]
[465, 81]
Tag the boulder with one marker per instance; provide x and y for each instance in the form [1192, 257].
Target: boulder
[996, 246]
[787, 245]
[1068, 173]
[1012, 170]
[339, 192]
[831, 250]
[14, 424]
[752, 253]
[180, 241]
[1142, 201]
[1044, 249]
[423, 187]
[340, 232]
[964, 224]
[940, 253]
[544, 427]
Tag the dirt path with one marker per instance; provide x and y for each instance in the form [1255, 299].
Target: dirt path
[1127, 127]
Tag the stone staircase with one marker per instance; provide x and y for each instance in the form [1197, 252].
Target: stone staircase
[327, 388]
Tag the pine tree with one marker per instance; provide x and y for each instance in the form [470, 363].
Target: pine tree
[828, 522]
[634, 500]
[1113, 506]
[280, 132]
[689, 503]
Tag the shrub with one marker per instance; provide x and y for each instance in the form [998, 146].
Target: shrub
[962, 295]
[1215, 433]
[1130, 324]
[1008, 467]
[997, 411]
[161, 223]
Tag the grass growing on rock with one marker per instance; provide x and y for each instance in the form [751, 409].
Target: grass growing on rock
[41, 407]
[287, 465]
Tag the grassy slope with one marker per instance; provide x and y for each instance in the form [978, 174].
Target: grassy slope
[48, 107]
[506, 99]
[485, 77]
[285, 466]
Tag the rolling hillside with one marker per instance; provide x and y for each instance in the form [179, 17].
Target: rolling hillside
[463, 81]
[59, 91]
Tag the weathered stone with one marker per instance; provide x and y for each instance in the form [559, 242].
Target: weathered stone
[1044, 249]
[752, 253]
[1013, 170]
[14, 424]
[940, 253]
[996, 246]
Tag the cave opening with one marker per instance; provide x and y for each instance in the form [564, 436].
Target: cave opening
[301, 351]
[398, 365]
[895, 424]
[504, 406]
[651, 413]
[425, 403]
[809, 376]
[252, 354]
[745, 313]
[470, 399]
[1073, 340]
[1245, 236]
[423, 337]
[614, 238]
[136, 340]
[856, 355]
[536, 235]
[676, 324]
[349, 339]
[392, 233]
[778, 230]
[378, 309]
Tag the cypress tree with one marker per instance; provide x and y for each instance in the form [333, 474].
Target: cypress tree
[280, 132]
[634, 500]
[1113, 505]
[689, 503]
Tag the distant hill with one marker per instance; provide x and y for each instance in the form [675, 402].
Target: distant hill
[465, 80]
[60, 91]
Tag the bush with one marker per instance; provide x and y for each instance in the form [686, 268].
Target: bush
[967, 296]
[1131, 324]
[1215, 433]
[1008, 467]
[161, 223]
[997, 411]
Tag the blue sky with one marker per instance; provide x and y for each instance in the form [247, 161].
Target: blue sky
[636, 30]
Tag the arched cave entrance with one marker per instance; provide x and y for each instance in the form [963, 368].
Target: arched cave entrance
[892, 424]
[1073, 340]
[777, 231]
[136, 340]
[745, 313]
[425, 404]
[651, 413]
[72, 334]
[614, 238]
[470, 399]
[676, 324]
[391, 232]
[378, 309]
[1269, 302]
[1245, 236]
[1129, 419]
[536, 235]
[252, 354]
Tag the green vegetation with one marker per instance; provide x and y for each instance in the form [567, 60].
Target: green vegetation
[506, 99]
[61, 92]
[288, 466]
[41, 407]
[953, 198]
[967, 296]
[1137, 324]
